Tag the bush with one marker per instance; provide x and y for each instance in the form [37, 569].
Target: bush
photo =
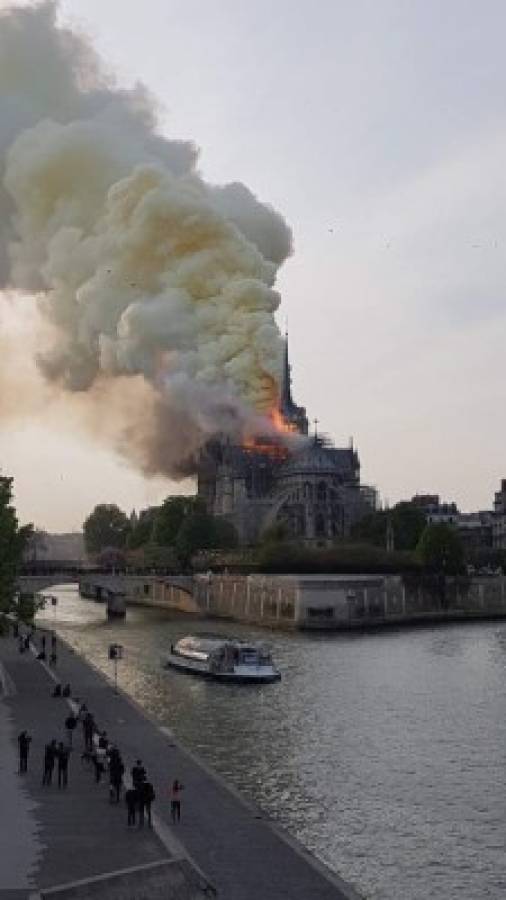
[347, 559]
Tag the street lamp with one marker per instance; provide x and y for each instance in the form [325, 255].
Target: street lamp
[115, 653]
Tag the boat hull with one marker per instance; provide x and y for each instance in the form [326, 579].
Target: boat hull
[262, 675]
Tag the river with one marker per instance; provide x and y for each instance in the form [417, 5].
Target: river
[384, 753]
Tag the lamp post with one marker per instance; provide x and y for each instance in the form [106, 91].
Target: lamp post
[115, 653]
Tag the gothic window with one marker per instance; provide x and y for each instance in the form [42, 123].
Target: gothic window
[322, 492]
[320, 525]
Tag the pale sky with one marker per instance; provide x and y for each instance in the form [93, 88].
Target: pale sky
[378, 130]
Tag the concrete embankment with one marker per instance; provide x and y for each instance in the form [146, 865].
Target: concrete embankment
[79, 834]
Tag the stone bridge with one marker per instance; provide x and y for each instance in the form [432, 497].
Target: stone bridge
[116, 590]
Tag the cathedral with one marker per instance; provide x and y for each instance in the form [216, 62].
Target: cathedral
[309, 487]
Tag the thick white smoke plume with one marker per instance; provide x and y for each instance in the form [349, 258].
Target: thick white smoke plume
[142, 268]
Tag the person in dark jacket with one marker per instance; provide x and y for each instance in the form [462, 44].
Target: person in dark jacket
[116, 772]
[88, 730]
[62, 755]
[70, 724]
[49, 760]
[138, 774]
[147, 795]
[131, 800]
[24, 740]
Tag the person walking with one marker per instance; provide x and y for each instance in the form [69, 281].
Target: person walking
[116, 772]
[175, 800]
[49, 760]
[62, 755]
[24, 740]
[43, 643]
[138, 774]
[70, 724]
[131, 800]
[99, 761]
[88, 729]
[147, 795]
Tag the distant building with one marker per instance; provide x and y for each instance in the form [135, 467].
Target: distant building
[310, 488]
[476, 529]
[499, 518]
[436, 513]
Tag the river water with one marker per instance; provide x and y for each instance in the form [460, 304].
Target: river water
[384, 753]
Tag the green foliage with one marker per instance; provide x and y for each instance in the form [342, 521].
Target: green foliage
[170, 517]
[142, 531]
[27, 606]
[201, 531]
[440, 550]
[274, 534]
[408, 522]
[107, 526]
[290, 557]
[12, 542]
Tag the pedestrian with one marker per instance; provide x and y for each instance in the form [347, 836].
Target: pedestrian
[99, 759]
[175, 800]
[103, 741]
[70, 724]
[56, 691]
[147, 795]
[49, 759]
[53, 641]
[116, 772]
[52, 658]
[131, 800]
[15, 630]
[24, 740]
[66, 691]
[43, 643]
[21, 644]
[27, 641]
[88, 730]
[62, 755]
[138, 773]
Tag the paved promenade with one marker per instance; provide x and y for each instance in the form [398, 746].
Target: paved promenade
[239, 849]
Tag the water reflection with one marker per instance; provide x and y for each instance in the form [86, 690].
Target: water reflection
[382, 752]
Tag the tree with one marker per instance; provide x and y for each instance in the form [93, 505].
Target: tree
[12, 543]
[371, 529]
[440, 550]
[141, 531]
[408, 522]
[202, 531]
[107, 526]
[170, 517]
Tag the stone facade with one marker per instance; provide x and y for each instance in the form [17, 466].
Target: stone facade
[305, 484]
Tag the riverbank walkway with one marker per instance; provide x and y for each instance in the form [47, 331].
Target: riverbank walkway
[61, 836]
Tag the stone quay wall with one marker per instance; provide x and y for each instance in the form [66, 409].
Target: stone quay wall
[328, 601]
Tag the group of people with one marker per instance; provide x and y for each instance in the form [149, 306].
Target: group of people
[56, 754]
[139, 797]
[99, 751]
[23, 640]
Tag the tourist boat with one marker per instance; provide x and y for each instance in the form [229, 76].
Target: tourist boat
[223, 659]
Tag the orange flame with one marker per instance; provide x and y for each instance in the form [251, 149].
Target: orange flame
[268, 445]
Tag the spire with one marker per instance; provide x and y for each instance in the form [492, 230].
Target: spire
[286, 390]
